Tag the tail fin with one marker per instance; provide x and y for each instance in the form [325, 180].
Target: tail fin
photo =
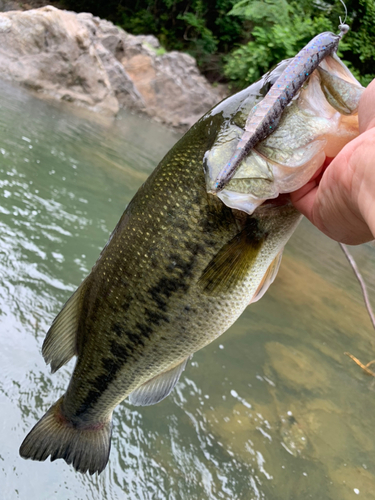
[87, 448]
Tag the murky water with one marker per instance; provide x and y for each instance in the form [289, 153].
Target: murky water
[272, 410]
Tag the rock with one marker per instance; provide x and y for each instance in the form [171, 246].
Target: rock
[8, 6]
[171, 86]
[124, 89]
[293, 435]
[50, 51]
[90, 62]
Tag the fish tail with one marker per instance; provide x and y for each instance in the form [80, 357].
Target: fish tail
[85, 447]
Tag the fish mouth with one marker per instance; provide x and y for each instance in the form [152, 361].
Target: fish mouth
[280, 201]
[249, 203]
[274, 204]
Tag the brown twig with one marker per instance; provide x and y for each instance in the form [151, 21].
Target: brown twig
[359, 277]
[364, 367]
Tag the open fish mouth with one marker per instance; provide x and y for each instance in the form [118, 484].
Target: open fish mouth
[280, 201]
[318, 122]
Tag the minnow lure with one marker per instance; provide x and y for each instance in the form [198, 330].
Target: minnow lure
[268, 112]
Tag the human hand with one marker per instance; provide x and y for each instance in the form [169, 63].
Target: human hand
[340, 199]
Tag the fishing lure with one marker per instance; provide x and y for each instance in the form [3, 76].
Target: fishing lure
[267, 113]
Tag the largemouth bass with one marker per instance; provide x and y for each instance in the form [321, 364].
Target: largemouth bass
[180, 266]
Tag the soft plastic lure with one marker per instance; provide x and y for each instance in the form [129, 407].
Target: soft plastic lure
[267, 113]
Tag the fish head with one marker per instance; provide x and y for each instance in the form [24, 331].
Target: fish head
[319, 121]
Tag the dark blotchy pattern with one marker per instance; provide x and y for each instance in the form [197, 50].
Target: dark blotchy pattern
[146, 278]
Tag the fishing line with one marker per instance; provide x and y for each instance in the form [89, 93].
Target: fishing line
[346, 12]
[344, 28]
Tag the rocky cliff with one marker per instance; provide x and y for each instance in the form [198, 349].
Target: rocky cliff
[90, 62]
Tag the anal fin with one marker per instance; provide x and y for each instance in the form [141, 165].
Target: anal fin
[157, 388]
[60, 344]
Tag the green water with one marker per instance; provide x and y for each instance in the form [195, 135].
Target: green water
[272, 410]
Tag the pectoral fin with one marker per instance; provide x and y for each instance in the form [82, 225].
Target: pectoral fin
[157, 388]
[230, 266]
[60, 344]
[268, 278]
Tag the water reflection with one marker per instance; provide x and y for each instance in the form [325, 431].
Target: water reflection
[273, 409]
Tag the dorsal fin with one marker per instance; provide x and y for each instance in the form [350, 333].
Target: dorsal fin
[60, 344]
[157, 388]
[268, 278]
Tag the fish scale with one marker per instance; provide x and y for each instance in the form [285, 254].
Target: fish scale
[159, 287]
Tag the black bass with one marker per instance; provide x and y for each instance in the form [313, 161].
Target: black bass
[179, 268]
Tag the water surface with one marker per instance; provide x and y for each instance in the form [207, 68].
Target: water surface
[271, 410]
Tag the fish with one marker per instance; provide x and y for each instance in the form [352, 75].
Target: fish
[182, 264]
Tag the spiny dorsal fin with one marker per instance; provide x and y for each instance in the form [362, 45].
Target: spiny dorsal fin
[60, 344]
[268, 278]
[157, 388]
[231, 264]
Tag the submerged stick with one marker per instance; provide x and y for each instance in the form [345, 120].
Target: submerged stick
[359, 277]
[365, 368]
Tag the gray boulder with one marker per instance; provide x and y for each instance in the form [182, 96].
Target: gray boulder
[90, 62]
[51, 52]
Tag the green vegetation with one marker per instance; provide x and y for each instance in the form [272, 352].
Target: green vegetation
[280, 28]
[237, 41]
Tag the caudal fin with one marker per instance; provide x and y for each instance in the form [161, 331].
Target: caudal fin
[86, 448]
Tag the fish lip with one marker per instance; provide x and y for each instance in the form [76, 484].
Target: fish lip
[280, 201]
